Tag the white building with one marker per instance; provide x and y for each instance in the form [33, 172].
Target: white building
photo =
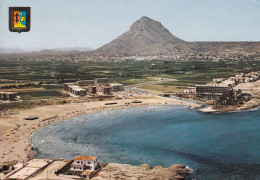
[211, 89]
[82, 163]
[117, 87]
[190, 90]
[74, 89]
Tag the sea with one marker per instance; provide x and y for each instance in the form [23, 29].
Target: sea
[213, 146]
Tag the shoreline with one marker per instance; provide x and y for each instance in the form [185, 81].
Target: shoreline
[249, 106]
[52, 114]
[17, 137]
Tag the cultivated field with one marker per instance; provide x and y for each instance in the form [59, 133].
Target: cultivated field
[53, 73]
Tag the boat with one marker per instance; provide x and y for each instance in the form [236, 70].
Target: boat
[31, 118]
[75, 138]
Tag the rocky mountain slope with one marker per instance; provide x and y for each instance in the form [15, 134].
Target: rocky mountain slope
[149, 37]
[146, 36]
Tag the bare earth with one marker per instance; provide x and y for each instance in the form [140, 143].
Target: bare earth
[252, 88]
[125, 171]
[15, 131]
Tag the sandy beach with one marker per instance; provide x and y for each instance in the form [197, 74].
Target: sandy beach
[15, 131]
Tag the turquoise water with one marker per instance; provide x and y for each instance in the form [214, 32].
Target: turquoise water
[216, 146]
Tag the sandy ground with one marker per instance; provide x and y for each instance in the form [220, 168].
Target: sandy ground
[15, 131]
[252, 88]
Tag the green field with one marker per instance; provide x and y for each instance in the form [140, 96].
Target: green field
[31, 69]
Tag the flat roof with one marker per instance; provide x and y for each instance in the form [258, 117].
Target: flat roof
[116, 84]
[210, 86]
[23, 173]
[38, 163]
[77, 88]
[30, 167]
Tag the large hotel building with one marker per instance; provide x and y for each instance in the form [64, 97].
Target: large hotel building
[211, 90]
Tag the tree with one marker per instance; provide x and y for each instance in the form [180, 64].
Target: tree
[232, 97]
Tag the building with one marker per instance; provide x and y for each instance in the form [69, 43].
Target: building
[104, 89]
[86, 174]
[82, 163]
[210, 90]
[8, 96]
[103, 81]
[218, 80]
[240, 80]
[26, 170]
[85, 82]
[74, 89]
[92, 89]
[190, 90]
[116, 87]
[66, 86]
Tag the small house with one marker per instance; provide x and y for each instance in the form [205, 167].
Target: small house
[82, 163]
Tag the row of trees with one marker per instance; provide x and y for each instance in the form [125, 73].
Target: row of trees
[21, 85]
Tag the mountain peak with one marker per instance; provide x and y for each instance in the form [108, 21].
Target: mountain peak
[145, 18]
[145, 36]
[144, 22]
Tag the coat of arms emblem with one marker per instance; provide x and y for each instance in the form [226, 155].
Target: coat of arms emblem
[19, 19]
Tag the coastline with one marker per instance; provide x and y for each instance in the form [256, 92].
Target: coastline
[70, 110]
[16, 138]
[249, 106]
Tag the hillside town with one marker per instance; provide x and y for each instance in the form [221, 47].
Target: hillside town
[169, 56]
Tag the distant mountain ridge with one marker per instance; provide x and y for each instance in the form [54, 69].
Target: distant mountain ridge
[43, 51]
[73, 49]
[11, 50]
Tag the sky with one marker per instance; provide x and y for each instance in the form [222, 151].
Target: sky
[93, 23]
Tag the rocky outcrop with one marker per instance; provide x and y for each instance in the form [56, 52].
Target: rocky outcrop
[125, 171]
